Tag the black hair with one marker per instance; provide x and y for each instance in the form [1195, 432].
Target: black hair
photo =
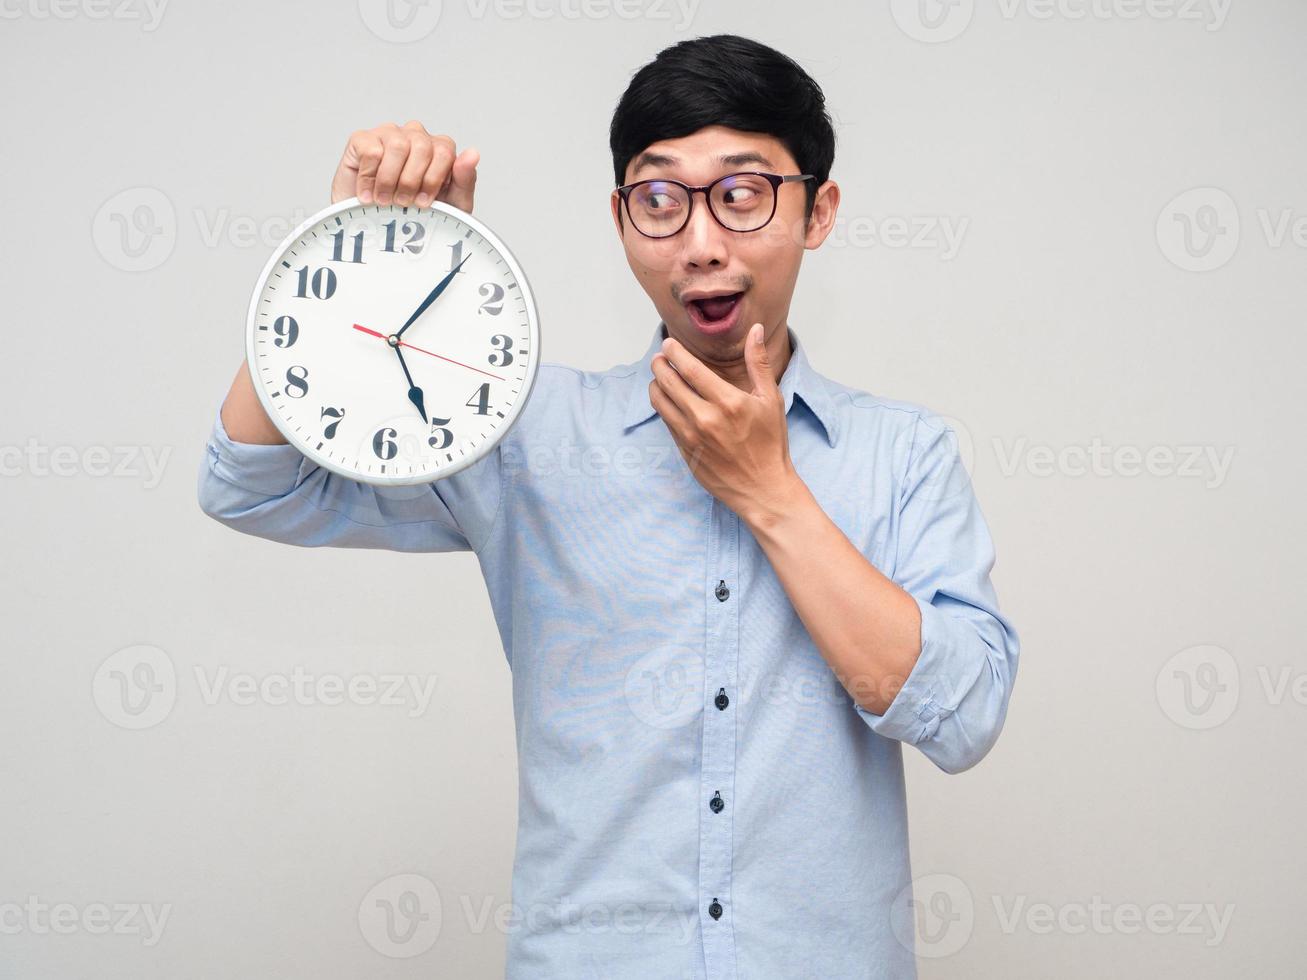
[725, 80]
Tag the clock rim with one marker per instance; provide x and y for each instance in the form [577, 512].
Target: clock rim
[265, 399]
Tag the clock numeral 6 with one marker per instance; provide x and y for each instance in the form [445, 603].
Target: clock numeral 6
[384, 445]
[501, 342]
[323, 283]
[329, 432]
[297, 385]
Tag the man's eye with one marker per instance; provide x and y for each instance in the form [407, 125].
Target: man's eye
[740, 196]
[659, 202]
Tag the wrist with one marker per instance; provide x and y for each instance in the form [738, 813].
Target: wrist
[769, 511]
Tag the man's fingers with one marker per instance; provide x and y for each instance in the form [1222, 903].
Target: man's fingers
[438, 169]
[414, 172]
[460, 187]
[392, 165]
[363, 156]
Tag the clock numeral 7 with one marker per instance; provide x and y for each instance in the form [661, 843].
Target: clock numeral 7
[329, 432]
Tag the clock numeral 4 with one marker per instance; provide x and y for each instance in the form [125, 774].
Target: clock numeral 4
[480, 400]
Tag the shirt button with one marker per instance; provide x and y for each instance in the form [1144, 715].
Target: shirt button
[717, 803]
[722, 592]
[715, 910]
[721, 700]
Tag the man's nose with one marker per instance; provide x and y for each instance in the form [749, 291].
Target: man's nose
[705, 241]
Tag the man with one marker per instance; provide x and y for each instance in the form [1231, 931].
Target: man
[729, 588]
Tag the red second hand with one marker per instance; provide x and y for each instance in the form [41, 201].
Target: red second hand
[404, 343]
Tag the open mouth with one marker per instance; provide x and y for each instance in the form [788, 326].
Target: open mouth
[715, 313]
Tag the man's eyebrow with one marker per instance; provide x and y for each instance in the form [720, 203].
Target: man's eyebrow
[729, 159]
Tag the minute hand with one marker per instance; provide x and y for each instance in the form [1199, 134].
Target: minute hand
[431, 297]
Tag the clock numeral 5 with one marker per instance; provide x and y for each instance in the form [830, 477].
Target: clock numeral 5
[323, 282]
[446, 435]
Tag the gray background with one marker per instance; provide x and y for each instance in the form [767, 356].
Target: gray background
[1152, 759]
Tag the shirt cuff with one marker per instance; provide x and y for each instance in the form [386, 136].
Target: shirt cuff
[945, 670]
[269, 470]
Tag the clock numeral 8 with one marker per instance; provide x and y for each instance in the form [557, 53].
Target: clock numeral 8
[297, 385]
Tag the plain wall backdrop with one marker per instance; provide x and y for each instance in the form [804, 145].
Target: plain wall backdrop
[1076, 228]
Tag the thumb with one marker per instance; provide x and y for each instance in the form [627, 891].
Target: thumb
[461, 185]
[758, 360]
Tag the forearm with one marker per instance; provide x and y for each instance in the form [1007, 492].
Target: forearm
[243, 415]
[865, 626]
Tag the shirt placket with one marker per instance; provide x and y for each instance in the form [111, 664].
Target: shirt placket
[717, 783]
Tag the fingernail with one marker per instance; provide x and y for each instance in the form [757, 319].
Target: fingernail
[757, 333]
[365, 196]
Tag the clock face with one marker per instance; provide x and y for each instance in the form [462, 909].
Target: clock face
[393, 345]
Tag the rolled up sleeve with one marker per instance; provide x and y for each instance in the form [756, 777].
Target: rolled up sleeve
[276, 492]
[954, 701]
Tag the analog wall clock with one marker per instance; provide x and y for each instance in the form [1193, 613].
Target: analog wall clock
[393, 345]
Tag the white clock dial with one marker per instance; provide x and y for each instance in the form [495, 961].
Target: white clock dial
[359, 380]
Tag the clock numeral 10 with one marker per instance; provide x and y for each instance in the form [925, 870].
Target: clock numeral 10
[323, 282]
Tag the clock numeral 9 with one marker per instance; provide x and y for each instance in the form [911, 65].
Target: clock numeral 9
[297, 385]
[501, 342]
[287, 331]
[323, 282]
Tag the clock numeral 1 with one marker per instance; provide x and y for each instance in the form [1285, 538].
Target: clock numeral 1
[457, 259]
[323, 282]
[338, 247]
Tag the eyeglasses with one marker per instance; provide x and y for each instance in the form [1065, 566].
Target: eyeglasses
[660, 207]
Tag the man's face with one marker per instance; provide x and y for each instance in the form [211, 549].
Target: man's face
[707, 261]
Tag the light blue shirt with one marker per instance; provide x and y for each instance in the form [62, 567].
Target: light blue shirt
[699, 797]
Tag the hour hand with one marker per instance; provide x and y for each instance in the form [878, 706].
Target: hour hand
[414, 392]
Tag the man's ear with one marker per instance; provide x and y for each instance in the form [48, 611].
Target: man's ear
[615, 202]
[822, 219]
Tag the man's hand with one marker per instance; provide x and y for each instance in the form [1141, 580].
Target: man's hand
[405, 165]
[736, 443]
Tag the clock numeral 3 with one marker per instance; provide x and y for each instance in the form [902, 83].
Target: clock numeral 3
[501, 342]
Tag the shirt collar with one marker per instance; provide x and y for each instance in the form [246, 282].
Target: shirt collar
[799, 379]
